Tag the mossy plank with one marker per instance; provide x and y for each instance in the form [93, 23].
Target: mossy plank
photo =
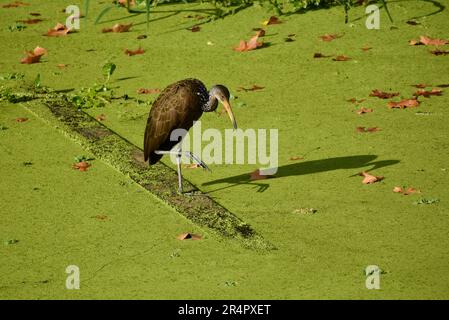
[158, 179]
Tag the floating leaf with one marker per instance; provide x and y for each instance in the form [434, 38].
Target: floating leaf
[330, 37]
[194, 28]
[134, 52]
[382, 94]
[81, 166]
[34, 56]
[30, 21]
[404, 191]
[254, 87]
[428, 93]
[407, 103]
[148, 91]
[21, 120]
[272, 20]
[364, 110]
[118, 28]
[369, 179]
[58, 31]
[252, 44]
[432, 42]
[364, 130]
[438, 52]
[341, 58]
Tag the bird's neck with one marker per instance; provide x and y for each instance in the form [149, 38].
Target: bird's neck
[211, 104]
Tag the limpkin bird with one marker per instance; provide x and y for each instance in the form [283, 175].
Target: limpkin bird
[177, 107]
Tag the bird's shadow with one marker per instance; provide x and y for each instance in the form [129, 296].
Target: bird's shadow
[307, 167]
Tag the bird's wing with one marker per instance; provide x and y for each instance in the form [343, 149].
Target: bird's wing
[168, 113]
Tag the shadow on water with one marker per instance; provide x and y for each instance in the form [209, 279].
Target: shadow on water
[307, 167]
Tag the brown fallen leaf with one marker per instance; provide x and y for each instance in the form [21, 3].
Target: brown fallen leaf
[256, 175]
[118, 28]
[364, 129]
[405, 192]
[81, 166]
[254, 87]
[194, 28]
[295, 158]
[330, 37]
[21, 120]
[58, 30]
[432, 42]
[272, 20]
[341, 58]
[192, 166]
[252, 44]
[364, 110]
[134, 52]
[366, 48]
[415, 43]
[412, 22]
[35, 14]
[33, 56]
[443, 85]
[187, 236]
[382, 94]
[438, 52]
[141, 37]
[369, 179]
[354, 100]
[407, 103]
[15, 4]
[30, 21]
[101, 117]
[62, 65]
[320, 55]
[148, 91]
[260, 32]
[428, 93]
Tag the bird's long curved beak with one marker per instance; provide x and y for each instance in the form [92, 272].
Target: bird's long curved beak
[228, 109]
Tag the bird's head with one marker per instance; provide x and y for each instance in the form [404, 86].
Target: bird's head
[221, 93]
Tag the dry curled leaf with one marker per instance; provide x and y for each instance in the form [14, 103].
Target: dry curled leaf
[62, 65]
[405, 192]
[81, 166]
[412, 22]
[366, 48]
[260, 32]
[58, 30]
[365, 130]
[296, 158]
[364, 110]
[118, 28]
[134, 52]
[252, 44]
[148, 91]
[272, 20]
[341, 58]
[330, 37]
[15, 4]
[187, 236]
[194, 28]
[428, 93]
[354, 100]
[407, 103]
[257, 175]
[30, 21]
[192, 166]
[369, 179]
[432, 42]
[33, 56]
[382, 94]
[21, 120]
[254, 87]
[320, 55]
[35, 14]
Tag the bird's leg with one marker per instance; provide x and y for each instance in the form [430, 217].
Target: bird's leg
[178, 163]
